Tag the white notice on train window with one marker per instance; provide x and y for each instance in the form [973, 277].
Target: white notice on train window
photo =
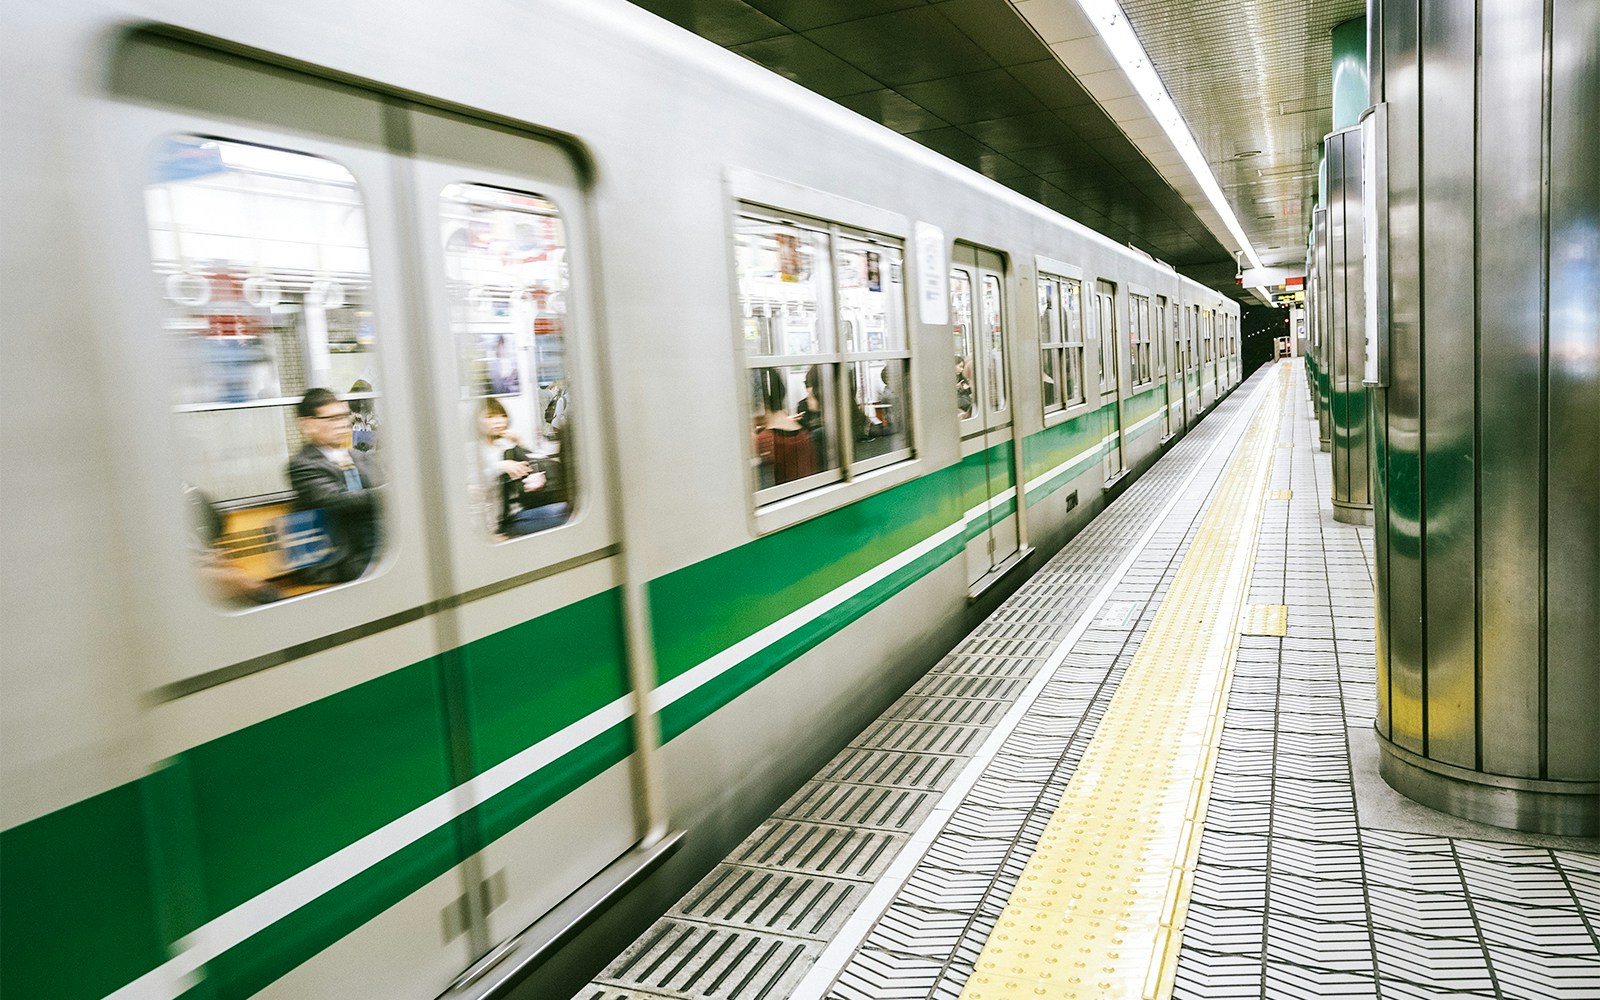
[933, 271]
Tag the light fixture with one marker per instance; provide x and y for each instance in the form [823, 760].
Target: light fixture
[1117, 34]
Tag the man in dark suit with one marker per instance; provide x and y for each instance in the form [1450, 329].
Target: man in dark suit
[346, 485]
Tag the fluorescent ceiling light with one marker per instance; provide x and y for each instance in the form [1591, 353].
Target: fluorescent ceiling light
[1112, 24]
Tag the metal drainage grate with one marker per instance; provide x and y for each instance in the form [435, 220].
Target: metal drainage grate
[957, 686]
[785, 903]
[822, 850]
[947, 710]
[694, 960]
[887, 767]
[858, 805]
[919, 737]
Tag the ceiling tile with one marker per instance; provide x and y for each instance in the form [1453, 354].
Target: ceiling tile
[974, 97]
[803, 15]
[1108, 85]
[1022, 132]
[1054, 20]
[808, 64]
[1084, 56]
[954, 143]
[726, 22]
[900, 113]
[878, 46]
[996, 29]
[1048, 81]
[999, 168]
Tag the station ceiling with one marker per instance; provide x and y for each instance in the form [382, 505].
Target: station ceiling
[1025, 92]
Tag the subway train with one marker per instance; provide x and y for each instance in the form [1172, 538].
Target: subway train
[676, 420]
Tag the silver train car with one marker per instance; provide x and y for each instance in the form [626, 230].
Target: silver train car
[678, 420]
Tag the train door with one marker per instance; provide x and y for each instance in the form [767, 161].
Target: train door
[1219, 345]
[1160, 345]
[988, 467]
[311, 821]
[537, 678]
[1105, 299]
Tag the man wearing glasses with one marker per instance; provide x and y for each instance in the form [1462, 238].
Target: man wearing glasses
[346, 485]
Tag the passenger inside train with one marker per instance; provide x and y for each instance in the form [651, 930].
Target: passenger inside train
[782, 443]
[521, 492]
[345, 484]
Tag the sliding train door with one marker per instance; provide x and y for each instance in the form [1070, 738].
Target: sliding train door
[1159, 339]
[535, 677]
[988, 467]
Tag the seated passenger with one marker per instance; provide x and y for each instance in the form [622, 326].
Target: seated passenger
[781, 442]
[526, 492]
[347, 485]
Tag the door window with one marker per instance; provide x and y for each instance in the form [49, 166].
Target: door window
[505, 264]
[261, 258]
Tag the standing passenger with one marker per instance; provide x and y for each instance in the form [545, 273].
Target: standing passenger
[346, 485]
[781, 442]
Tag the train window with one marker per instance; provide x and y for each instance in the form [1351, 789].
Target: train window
[871, 302]
[1139, 340]
[1061, 341]
[261, 257]
[962, 329]
[825, 351]
[994, 354]
[505, 262]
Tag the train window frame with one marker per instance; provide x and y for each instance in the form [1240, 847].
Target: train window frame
[1071, 344]
[297, 547]
[844, 222]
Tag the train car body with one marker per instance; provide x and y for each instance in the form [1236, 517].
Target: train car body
[229, 769]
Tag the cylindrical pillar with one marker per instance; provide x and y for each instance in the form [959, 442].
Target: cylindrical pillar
[1319, 278]
[1487, 408]
[1346, 339]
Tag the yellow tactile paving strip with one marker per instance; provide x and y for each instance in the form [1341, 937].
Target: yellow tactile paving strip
[1099, 909]
[1265, 619]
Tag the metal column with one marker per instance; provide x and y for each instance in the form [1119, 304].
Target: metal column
[1486, 410]
[1346, 334]
[1319, 309]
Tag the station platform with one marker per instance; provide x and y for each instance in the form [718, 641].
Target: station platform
[1150, 773]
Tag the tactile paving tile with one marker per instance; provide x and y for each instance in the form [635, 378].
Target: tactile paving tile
[1265, 619]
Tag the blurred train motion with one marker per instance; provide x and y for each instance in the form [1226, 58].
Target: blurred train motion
[444, 453]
